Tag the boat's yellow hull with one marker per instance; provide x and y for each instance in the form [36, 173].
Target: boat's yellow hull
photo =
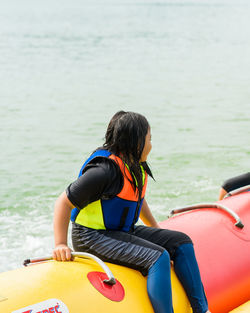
[67, 282]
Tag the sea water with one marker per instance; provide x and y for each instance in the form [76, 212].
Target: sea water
[67, 66]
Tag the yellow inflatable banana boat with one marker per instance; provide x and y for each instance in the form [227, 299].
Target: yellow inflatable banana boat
[80, 286]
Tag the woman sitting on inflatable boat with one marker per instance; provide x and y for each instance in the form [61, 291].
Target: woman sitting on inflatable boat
[105, 203]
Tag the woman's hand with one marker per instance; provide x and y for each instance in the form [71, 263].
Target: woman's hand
[62, 253]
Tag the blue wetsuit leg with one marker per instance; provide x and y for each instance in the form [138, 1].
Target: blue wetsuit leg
[159, 285]
[187, 270]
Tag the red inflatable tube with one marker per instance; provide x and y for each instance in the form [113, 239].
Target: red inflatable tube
[222, 250]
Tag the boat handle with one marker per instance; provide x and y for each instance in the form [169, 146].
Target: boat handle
[237, 191]
[111, 279]
[208, 206]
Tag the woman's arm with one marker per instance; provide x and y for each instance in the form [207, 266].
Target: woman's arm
[62, 213]
[146, 215]
[234, 183]
[88, 188]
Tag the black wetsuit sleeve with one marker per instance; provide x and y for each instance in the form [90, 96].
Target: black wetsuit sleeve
[236, 182]
[101, 179]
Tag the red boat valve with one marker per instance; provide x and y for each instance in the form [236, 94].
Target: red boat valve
[114, 292]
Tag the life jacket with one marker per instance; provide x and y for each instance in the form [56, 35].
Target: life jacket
[118, 213]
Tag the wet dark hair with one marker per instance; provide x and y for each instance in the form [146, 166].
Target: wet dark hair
[125, 137]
